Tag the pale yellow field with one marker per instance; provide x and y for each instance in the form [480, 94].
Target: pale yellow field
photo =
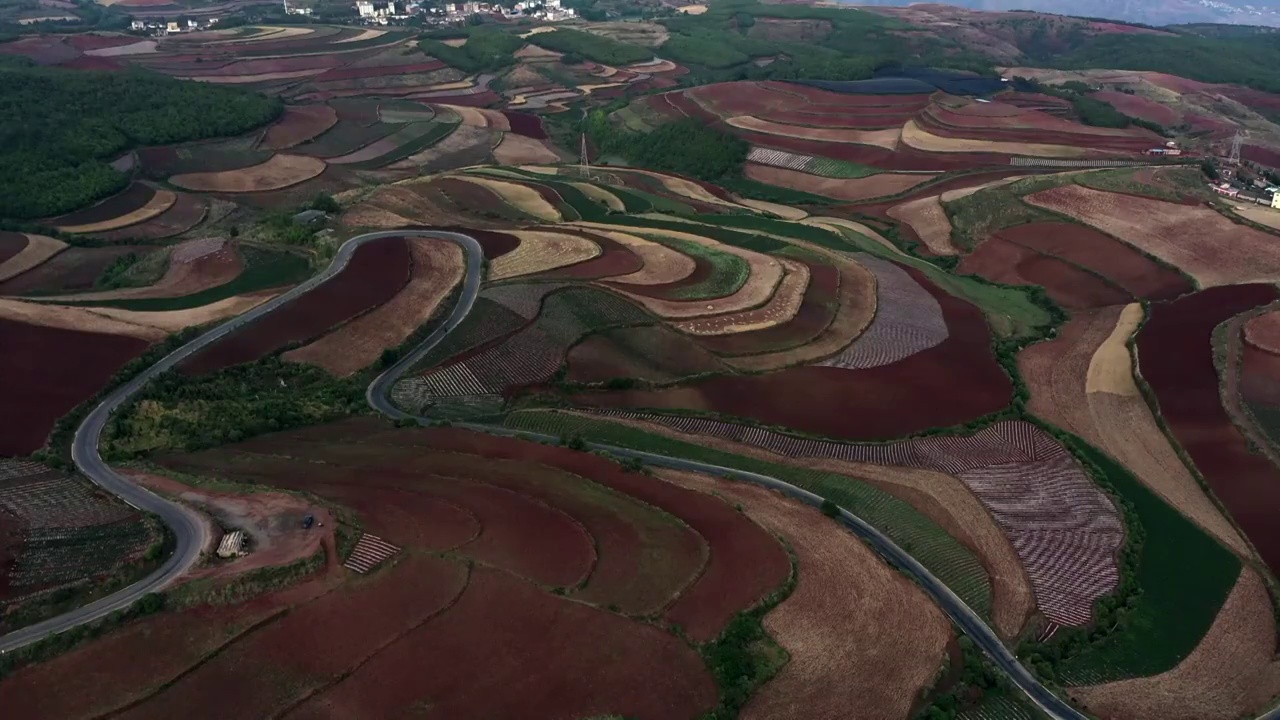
[518, 149]
[169, 321]
[39, 248]
[367, 34]
[1111, 368]
[160, 202]
[600, 195]
[929, 221]
[1261, 214]
[262, 77]
[542, 250]
[786, 212]
[281, 171]
[917, 137]
[75, 318]
[522, 197]
[662, 265]
[887, 139]
[781, 308]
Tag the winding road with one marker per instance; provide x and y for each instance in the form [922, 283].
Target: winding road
[191, 537]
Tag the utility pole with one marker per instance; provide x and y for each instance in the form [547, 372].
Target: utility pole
[1236, 142]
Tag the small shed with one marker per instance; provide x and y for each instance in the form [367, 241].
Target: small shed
[232, 544]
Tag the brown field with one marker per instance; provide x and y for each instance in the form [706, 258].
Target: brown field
[193, 266]
[681, 188]
[929, 221]
[856, 307]
[521, 197]
[786, 212]
[1199, 241]
[854, 190]
[844, 591]
[519, 150]
[781, 308]
[918, 138]
[160, 202]
[299, 124]
[662, 264]
[75, 318]
[437, 269]
[281, 171]
[943, 498]
[38, 248]
[1261, 214]
[1114, 417]
[1232, 673]
[541, 250]
[1263, 332]
[11, 243]
[887, 139]
[650, 352]
[1002, 261]
[168, 321]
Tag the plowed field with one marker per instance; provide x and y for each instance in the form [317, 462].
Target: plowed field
[376, 272]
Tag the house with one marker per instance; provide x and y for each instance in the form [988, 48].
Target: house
[1275, 201]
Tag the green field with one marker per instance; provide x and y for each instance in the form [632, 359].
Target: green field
[931, 545]
[728, 272]
[1183, 577]
[487, 321]
[987, 211]
[417, 137]
[264, 269]
[829, 167]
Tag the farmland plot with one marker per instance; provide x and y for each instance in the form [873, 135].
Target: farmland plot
[542, 250]
[908, 320]
[1195, 239]
[1065, 530]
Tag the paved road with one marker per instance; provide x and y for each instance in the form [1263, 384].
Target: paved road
[188, 531]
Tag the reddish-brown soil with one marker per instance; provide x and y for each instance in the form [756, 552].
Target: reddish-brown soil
[47, 372]
[187, 212]
[506, 649]
[376, 272]
[1259, 376]
[817, 311]
[299, 124]
[11, 243]
[654, 353]
[1263, 332]
[494, 244]
[131, 198]
[1261, 155]
[746, 563]
[1104, 255]
[877, 404]
[904, 158]
[352, 73]
[1176, 357]
[1001, 261]
[76, 268]
[614, 260]
[272, 669]
[1139, 107]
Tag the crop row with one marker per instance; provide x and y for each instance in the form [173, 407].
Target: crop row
[955, 564]
[1050, 162]
[60, 555]
[908, 320]
[824, 166]
[1064, 529]
[53, 500]
[487, 321]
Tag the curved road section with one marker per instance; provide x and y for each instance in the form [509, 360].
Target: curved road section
[189, 533]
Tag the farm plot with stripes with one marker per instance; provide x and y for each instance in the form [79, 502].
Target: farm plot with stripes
[59, 532]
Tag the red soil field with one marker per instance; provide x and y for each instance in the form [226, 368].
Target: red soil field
[1261, 155]
[904, 158]
[273, 65]
[352, 73]
[299, 124]
[187, 212]
[525, 124]
[1056, 132]
[614, 260]
[11, 243]
[876, 404]
[817, 97]
[507, 649]
[311, 646]
[374, 275]
[481, 99]
[76, 268]
[1139, 107]
[1258, 100]
[1001, 261]
[1259, 376]
[93, 41]
[746, 562]
[494, 244]
[857, 121]
[52, 371]
[816, 312]
[1176, 358]
[126, 201]
[668, 355]
[88, 62]
[1104, 255]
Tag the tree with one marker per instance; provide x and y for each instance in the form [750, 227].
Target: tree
[324, 202]
[830, 509]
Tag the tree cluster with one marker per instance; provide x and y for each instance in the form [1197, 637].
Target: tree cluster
[686, 147]
[59, 127]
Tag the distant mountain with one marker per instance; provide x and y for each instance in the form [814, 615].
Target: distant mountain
[1149, 12]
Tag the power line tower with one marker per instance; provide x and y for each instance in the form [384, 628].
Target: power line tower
[1236, 142]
